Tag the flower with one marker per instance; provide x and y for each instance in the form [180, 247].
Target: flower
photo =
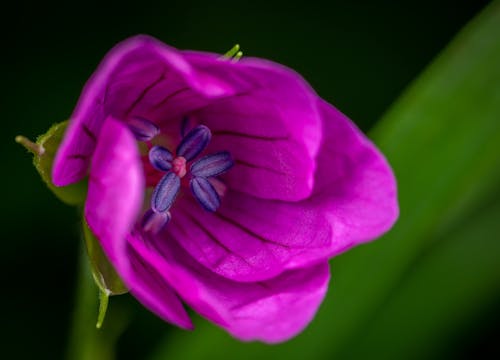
[221, 184]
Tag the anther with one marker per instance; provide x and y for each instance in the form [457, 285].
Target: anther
[195, 141]
[165, 192]
[212, 165]
[143, 129]
[186, 125]
[154, 222]
[205, 193]
[160, 158]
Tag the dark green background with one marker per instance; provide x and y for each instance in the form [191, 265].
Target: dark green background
[358, 55]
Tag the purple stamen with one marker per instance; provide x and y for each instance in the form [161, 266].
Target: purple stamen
[160, 158]
[206, 188]
[154, 222]
[165, 192]
[205, 193]
[186, 125]
[212, 165]
[143, 129]
[195, 141]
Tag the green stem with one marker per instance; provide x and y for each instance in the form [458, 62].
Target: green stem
[85, 341]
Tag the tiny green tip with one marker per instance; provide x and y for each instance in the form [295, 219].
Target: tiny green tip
[103, 307]
[238, 55]
[30, 145]
[232, 52]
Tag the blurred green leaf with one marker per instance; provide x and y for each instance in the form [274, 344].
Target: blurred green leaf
[445, 288]
[44, 152]
[442, 139]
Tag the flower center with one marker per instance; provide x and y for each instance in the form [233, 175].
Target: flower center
[203, 172]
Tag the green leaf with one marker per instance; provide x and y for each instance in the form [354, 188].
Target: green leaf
[445, 289]
[44, 151]
[442, 140]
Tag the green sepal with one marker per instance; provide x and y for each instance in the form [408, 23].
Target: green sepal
[104, 274]
[44, 151]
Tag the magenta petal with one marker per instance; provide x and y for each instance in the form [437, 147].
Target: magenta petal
[355, 186]
[249, 239]
[151, 289]
[115, 196]
[270, 311]
[116, 189]
[272, 131]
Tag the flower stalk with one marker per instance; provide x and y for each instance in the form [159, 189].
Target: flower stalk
[88, 341]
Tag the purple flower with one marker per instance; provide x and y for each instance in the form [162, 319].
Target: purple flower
[224, 185]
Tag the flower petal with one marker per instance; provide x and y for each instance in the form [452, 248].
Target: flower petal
[139, 78]
[249, 239]
[270, 311]
[115, 196]
[273, 131]
[212, 165]
[354, 186]
[116, 190]
[151, 289]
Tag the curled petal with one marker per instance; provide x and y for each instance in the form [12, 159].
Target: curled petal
[165, 192]
[151, 289]
[212, 165]
[355, 186]
[270, 311]
[194, 142]
[205, 193]
[115, 194]
[160, 158]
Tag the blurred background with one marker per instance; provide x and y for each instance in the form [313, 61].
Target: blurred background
[430, 288]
